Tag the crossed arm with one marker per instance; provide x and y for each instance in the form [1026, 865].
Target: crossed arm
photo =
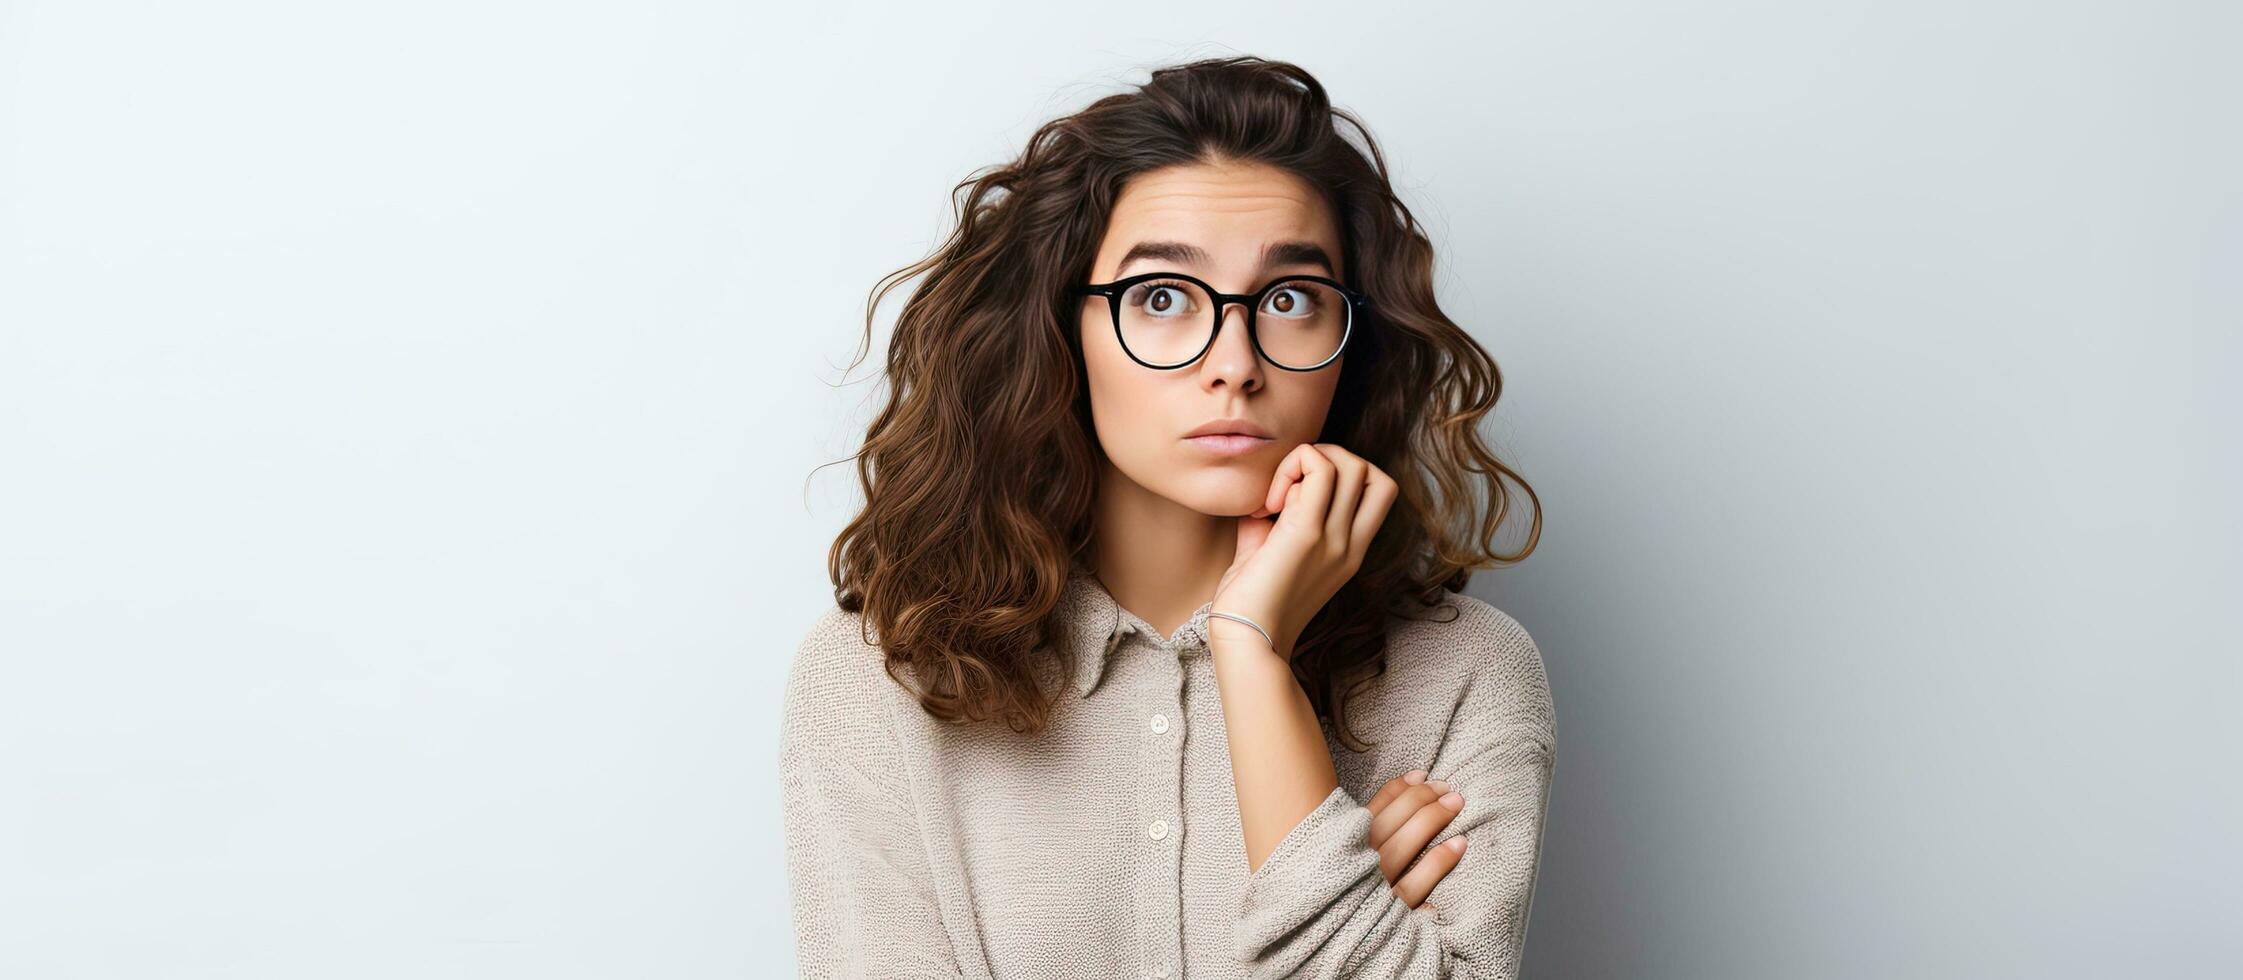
[1316, 903]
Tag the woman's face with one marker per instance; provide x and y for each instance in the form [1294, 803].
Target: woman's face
[1223, 216]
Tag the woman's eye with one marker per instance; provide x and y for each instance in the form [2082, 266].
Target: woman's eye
[1162, 299]
[1291, 301]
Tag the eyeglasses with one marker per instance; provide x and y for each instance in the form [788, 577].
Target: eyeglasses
[1167, 320]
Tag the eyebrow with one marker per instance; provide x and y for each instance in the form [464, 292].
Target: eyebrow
[1273, 255]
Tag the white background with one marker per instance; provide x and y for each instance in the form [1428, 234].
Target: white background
[409, 415]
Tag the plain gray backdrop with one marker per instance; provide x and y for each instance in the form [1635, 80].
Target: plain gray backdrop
[408, 416]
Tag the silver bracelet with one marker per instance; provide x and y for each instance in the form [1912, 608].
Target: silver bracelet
[1257, 627]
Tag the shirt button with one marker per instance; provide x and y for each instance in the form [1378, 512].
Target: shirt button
[1158, 830]
[1160, 724]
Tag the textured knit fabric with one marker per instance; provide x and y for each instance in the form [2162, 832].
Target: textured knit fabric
[1109, 846]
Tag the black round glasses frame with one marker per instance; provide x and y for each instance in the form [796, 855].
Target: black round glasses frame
[1356, 301]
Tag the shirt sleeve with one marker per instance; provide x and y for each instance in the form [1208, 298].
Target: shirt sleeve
[1318, 906]
[863, 899]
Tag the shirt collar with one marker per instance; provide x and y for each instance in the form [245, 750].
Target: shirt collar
[1097, 625]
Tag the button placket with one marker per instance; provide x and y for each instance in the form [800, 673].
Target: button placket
[1163, 782]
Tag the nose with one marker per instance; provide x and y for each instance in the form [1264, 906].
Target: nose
[1231, 358]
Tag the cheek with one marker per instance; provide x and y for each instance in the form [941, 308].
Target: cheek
[1324, 396]
[1123, 399]
[1304, 405]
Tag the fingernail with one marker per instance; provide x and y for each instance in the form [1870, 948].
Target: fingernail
[1454, 801]
[1414, 776]
[1439, 784]
[1456, 843]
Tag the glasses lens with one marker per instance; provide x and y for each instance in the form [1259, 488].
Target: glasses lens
[1301, 322]
[1166, 321]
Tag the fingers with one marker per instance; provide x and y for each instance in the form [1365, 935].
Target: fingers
[1343, 494]
[1349, 471]
[1400, 810]
[1395, 790]
[1406, 814]
[1309, 472]
[1430, 869]
[1318, 475]
[1389, 821]
[1288, 470]
[1366, 495]
[1378, 498]
[1404, 846]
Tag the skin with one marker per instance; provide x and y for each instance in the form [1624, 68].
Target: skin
[1271, 534]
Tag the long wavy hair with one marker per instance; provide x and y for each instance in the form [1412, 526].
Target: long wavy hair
[980, 471]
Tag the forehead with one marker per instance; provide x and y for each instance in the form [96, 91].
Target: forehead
[1232, 210]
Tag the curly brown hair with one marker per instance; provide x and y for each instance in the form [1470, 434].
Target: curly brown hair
[980, 471]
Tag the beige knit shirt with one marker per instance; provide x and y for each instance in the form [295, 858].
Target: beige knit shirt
[1109, 846]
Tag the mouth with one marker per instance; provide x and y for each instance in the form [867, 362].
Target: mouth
[1228, 443]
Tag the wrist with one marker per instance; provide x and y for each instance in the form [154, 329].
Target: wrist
[1228, 636]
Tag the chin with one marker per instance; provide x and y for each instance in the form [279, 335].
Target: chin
[1219, 490]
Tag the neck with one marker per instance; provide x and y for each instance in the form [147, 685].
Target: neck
[1159, 559]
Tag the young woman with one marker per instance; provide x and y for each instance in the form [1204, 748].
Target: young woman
[1149, 658]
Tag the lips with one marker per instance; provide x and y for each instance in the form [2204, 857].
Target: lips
[1229, 427]
[1228, 443]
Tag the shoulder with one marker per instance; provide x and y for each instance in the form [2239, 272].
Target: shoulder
[833, 654]
[838, 690]
[1481, 656]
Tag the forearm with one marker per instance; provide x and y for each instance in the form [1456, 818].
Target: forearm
[1280, 764]
[1316, 905]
